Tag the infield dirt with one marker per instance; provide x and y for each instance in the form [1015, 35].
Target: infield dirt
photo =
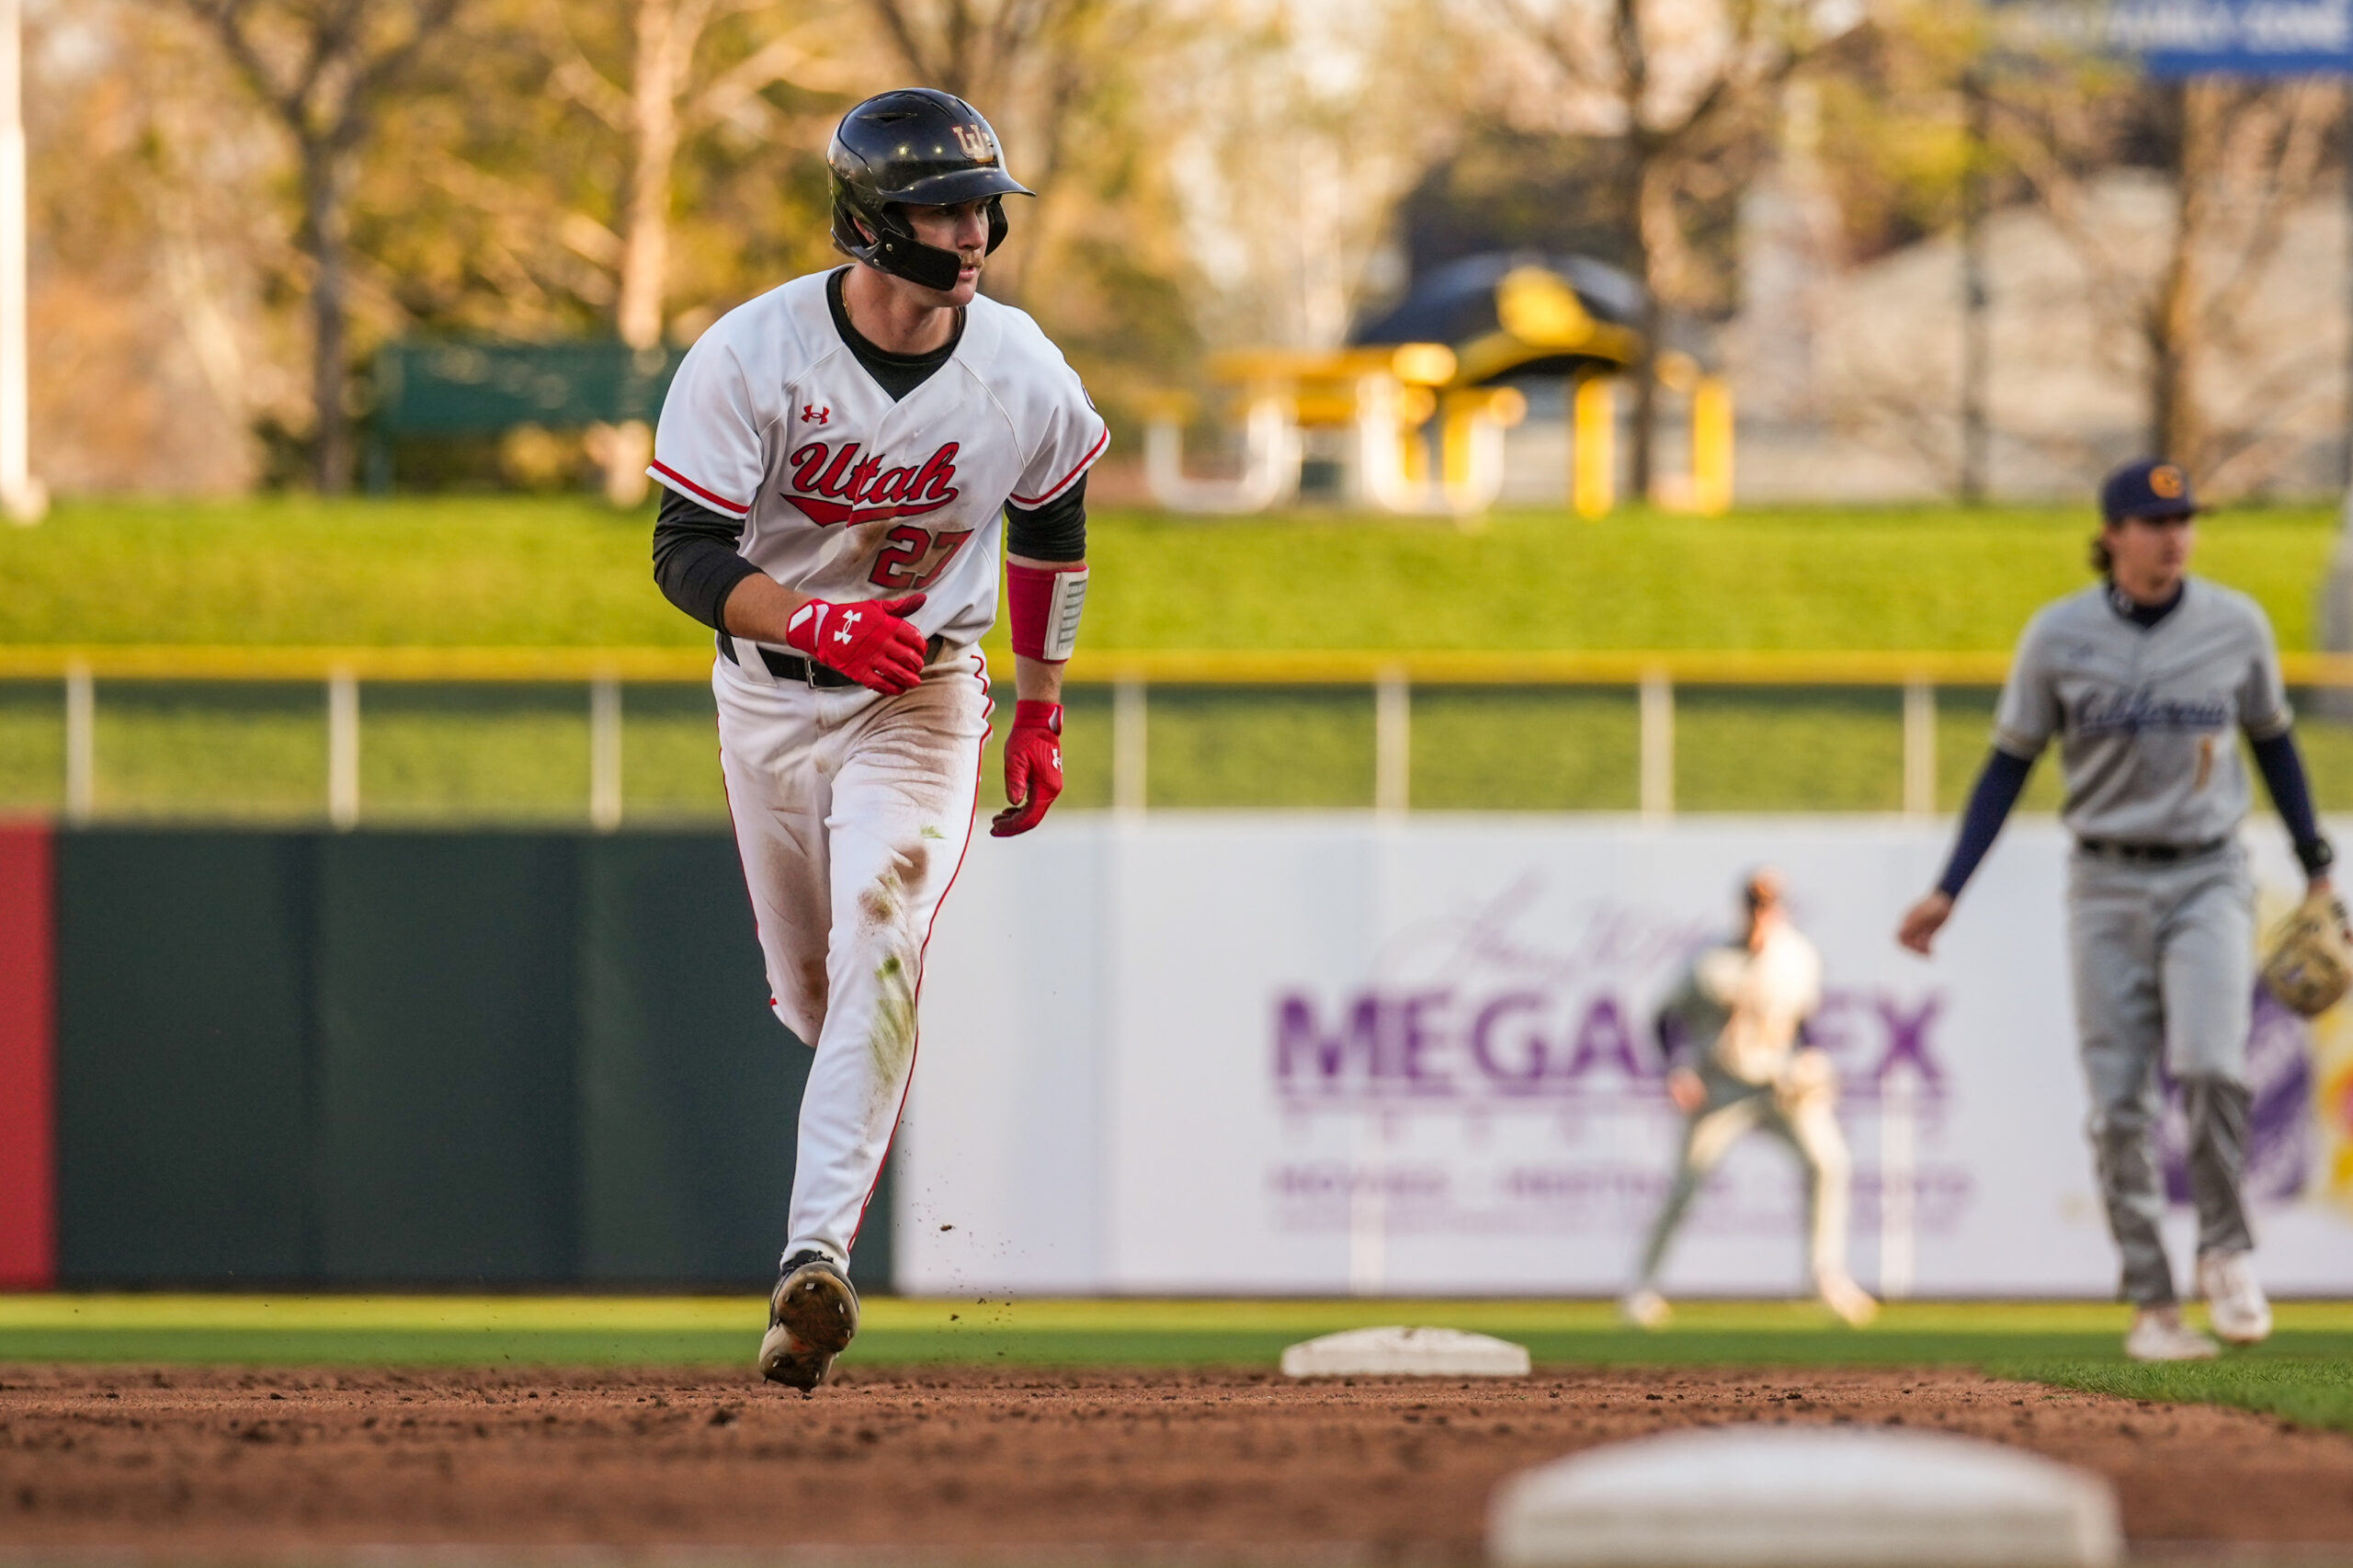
[956, 1463]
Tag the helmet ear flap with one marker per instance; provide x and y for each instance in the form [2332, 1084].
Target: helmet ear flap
[998, 227]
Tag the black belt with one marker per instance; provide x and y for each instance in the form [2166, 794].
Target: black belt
[792, 666]
[2148, 854]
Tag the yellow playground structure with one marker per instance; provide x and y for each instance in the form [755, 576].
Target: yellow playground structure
[1437, 373]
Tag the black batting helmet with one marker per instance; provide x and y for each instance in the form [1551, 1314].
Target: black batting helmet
[914, 147]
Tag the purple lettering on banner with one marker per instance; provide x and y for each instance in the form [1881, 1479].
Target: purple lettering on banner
[1416, 1034]
[1832, 1027]
[1299, 1034]
[1534, 1057]
[1603, 1037]
[1907, 1036]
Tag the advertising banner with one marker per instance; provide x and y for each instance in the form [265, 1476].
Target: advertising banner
[2235, 37]
[1307, 1055]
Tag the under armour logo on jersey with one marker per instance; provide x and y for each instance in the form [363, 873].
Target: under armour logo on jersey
[812, 414]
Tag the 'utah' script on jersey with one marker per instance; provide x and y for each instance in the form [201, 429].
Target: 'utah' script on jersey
[833, 485]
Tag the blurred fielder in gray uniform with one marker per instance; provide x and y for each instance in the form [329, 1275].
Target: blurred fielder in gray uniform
[1730, 1030]
[2146, 681]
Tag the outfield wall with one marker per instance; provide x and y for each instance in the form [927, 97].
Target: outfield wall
[1265, 1053]
[1306, 1054]
[384, 1058]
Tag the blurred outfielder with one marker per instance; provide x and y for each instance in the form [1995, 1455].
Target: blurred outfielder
[1731, 1028]
[2146, 680]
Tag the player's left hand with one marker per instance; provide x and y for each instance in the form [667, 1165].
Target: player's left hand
[1033, 767]
[1923, 921]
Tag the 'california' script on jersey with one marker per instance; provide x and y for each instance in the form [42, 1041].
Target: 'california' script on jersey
[2118, 709]
[833, 485]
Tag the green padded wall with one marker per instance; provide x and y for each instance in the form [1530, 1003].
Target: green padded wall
[689, 1087]
[183, 1095]
[448, 1013]
[412, 1059]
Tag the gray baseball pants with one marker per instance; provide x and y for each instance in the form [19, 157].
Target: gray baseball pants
[2163, 960]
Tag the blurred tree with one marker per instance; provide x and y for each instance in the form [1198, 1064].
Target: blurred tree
[1508, 187]
[1034, 67]
[1073, 88]
[2236, 159]
[681, 82]
[1680, 86]
[974, 49]
[324, 68]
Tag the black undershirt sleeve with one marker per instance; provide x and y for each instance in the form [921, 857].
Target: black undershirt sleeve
[695, 558]
[1055, 531]
[1998, 787]
[2283, 773]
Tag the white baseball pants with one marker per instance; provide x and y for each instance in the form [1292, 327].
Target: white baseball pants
[1733, 1109]
[852, 812]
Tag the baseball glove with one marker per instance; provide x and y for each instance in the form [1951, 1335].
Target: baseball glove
[2309, 965]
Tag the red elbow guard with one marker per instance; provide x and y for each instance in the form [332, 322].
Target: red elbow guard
[1044, 604]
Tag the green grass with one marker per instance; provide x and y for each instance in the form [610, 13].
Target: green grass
[2087, 1337]
[2304, 1374]
[565, 571]
[2315, 1390]
[516, 570]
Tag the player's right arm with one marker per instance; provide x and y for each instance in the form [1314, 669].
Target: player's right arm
[1672, 1025]
[2024, 723]
[707, 454]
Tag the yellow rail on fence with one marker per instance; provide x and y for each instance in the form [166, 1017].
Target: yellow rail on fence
[1339, 667]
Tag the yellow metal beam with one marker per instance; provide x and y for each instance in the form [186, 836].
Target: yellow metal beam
[1208, 666]
[235, 662]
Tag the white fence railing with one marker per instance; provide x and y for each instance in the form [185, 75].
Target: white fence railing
[1392, 678]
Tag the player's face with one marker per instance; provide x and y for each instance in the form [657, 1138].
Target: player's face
[964, 229]
[2151, 554]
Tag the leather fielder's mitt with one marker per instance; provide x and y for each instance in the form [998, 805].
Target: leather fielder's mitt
[2309, 965]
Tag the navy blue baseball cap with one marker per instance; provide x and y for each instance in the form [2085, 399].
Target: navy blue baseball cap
[2151, 488]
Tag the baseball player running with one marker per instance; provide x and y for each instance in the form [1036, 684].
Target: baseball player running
[2145, 679]
[1731, 1030]
[836, 457]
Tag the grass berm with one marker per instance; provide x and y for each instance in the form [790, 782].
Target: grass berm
[475, 570]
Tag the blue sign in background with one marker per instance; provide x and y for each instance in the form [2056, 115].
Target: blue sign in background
[2236, 37]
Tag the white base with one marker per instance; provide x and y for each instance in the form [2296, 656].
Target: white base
[1407, 1353]
[1803, 1497]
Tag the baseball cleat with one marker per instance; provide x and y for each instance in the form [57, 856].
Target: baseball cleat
[2234, 1299]
[1856, 1307]
[2159, 1334]
[813, 1316]
[1644, 1307]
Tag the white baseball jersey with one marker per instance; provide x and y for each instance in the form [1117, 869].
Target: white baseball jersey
[847, 494]
[1745, 1007]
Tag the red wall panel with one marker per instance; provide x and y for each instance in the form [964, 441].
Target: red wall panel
[27, 1058]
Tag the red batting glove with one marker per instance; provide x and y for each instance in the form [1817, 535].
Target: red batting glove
[867, 642]
[1033, 767]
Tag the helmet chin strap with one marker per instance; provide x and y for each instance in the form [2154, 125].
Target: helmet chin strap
[908, 257]
[895, 250]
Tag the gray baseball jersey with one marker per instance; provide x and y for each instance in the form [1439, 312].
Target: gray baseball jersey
[2147, 717]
